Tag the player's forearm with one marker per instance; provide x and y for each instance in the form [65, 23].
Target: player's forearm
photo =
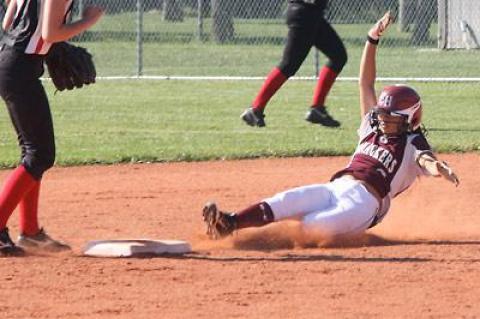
[54, 28]
[367, 76]
[368, 70]
[65, 32]
[9, 14]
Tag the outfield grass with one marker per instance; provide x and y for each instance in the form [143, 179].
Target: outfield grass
[119, 58]
[125, 121]
[173, 49]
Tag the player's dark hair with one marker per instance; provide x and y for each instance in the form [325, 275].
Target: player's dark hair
[421, 130]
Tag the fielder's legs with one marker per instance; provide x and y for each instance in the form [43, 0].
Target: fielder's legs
[301, 21]
[330, 44]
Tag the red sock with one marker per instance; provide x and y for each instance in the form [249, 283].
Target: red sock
[274, 81]
[18, 183]
[28, 207]
[254, 216]
[326, 78]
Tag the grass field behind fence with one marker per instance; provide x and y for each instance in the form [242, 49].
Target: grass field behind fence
[118, 58]
[125, 121]
[173, 49]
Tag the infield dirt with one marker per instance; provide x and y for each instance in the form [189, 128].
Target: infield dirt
[422, 261]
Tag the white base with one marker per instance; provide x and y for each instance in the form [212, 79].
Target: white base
[135, 247]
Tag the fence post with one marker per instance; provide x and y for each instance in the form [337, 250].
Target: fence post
[423, 18]
[172, 10]
[200, 20]
[222, 20]
[139, 37]
[442, 24]
[403, 12]
[80, 8]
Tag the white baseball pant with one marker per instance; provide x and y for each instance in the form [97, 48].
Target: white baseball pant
[338, 208]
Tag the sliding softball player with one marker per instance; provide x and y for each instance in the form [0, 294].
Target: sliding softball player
[392, 152]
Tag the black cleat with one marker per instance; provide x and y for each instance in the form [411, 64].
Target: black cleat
[319, 115]
[219, 224]
[253, 117]
[7, 246]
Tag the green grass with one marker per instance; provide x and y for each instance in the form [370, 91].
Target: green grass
[123, 121]
[119, 58]
[173, 49]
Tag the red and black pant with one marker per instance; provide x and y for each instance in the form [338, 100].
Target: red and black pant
[28, 108]
[308, 27]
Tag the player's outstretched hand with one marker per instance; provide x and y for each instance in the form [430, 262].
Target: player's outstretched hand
[379, 28]
[447, 172]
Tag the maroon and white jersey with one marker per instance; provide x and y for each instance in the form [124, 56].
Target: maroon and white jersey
[388, 164]
[25, 33]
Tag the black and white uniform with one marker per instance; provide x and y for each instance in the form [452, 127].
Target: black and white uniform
[308, 27]
[22, 51]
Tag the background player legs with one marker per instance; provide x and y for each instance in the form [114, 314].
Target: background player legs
[272, 84]
[330, 44]
[301, 25]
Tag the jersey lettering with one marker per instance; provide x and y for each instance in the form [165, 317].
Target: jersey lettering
[380, 154]
[388, 164]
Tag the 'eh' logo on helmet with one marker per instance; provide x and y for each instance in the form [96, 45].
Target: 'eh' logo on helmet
[386, 100]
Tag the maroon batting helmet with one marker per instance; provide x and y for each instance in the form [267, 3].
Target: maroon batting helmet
[402, 100]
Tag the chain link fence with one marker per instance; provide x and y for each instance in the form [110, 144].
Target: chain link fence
[245, 38]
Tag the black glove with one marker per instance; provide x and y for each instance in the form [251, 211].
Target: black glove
[70, 66]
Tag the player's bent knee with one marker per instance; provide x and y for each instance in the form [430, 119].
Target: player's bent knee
[289, 69]
[37, 163]
[338, 62]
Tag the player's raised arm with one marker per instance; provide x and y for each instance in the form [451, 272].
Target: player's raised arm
[368, 71]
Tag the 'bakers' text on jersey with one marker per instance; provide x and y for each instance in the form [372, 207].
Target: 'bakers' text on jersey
[380, 154]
